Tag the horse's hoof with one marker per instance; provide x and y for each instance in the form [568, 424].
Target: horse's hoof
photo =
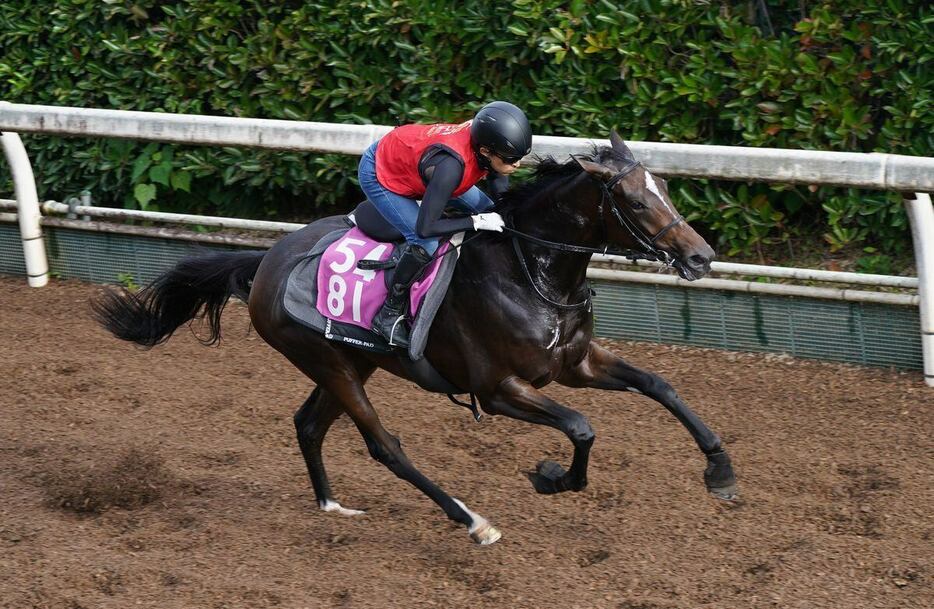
[719, 477]
[726, 493]
[333, 506]
[486, 534]
[545, 477]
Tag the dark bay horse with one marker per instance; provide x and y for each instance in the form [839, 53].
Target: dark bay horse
[516, 317]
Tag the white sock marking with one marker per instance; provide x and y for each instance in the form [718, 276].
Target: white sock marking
[480, 530]
[476, 520]
[333, 506]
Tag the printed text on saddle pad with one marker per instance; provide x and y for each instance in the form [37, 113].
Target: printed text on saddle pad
[352, 295]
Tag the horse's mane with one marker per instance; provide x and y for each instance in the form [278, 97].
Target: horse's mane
[549, 172]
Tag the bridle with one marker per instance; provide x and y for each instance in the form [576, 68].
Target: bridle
[646, 243]
[648, 248]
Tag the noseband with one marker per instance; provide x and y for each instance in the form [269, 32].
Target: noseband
[646, 243]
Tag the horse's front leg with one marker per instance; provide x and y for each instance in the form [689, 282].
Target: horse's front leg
[601, 369]
[518, 399]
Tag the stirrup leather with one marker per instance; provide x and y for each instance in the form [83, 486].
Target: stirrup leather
[387, 321]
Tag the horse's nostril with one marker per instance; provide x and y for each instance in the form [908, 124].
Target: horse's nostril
[698, 260]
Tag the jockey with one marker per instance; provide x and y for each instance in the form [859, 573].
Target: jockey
[440, 165]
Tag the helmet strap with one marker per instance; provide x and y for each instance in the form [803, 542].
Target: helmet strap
[483, 161]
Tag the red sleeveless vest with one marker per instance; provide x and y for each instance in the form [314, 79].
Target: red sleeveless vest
[399, 152]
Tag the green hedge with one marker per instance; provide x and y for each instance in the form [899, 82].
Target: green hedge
[847, 75]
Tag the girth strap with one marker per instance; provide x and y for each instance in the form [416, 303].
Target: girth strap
[472, 406]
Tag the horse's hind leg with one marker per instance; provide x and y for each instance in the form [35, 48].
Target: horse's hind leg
[601, 369]
[385, 448]
[340, 373]
[312, 422]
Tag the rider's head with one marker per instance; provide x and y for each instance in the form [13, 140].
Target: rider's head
[501, 136]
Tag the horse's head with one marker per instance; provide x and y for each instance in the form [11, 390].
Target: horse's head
[638, 213]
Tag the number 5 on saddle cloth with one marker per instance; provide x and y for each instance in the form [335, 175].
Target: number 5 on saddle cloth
[328, 290]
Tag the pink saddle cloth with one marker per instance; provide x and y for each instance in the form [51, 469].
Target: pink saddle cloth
[353, 296]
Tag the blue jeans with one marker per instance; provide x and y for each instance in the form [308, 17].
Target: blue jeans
[402, 212]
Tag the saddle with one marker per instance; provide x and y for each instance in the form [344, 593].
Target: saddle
[339, 285]
[368, 219]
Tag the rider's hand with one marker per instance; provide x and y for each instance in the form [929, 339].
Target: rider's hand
[488, 221]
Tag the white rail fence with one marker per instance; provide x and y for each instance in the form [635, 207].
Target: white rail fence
[911, 176]
[50, 209]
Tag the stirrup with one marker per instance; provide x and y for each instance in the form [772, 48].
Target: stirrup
[399, 334]
[395, 334]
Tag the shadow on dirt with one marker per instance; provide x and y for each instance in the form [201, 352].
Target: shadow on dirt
[130, 480]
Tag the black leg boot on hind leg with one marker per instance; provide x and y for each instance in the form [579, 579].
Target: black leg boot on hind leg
[390, 322]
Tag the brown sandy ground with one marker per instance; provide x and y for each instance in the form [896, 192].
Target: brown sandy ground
[835, 465]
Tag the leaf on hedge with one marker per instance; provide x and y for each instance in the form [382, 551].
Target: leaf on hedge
[181, 180]
[144, 193]
[139, 12]
[807, 62]
[160, 174]
[140, 165]
[768, 107]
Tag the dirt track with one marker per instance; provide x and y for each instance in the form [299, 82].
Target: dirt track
[836, 465]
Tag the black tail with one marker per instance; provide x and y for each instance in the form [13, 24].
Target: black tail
[150, 316]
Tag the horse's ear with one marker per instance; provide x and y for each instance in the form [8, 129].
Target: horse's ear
[595, 169]
[620, 146]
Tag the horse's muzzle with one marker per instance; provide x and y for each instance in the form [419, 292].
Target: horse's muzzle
[696, 264]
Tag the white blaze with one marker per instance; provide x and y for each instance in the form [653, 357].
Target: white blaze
[653, 188]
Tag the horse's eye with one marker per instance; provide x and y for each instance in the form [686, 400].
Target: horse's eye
[637, 205]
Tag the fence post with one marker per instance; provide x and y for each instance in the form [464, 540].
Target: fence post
[24, 183]
[921, 217]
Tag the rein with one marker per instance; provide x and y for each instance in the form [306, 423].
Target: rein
[528, 275]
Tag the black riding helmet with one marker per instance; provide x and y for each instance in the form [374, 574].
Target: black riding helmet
[504, 129]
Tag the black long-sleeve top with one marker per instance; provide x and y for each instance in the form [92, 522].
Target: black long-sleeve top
[442, 171]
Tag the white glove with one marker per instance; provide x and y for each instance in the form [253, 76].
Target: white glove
[488, 221]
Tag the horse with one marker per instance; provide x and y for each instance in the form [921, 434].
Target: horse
[517, 316]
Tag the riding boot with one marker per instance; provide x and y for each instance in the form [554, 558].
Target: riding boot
[390, 322]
